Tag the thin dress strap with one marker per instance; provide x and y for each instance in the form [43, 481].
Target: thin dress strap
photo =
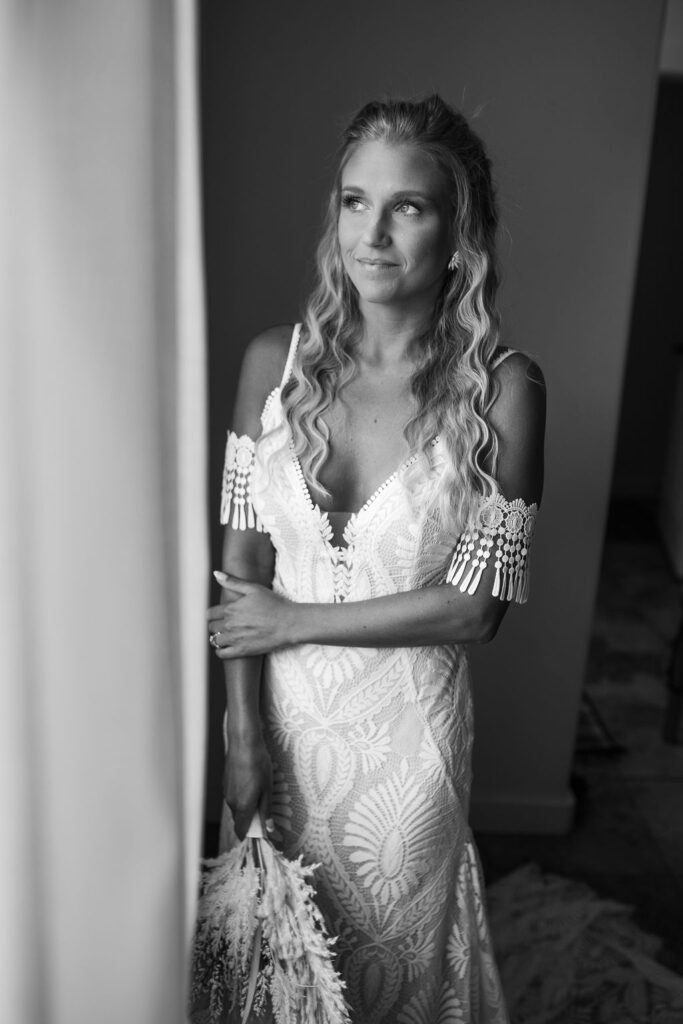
[291, 355]
[501, 357]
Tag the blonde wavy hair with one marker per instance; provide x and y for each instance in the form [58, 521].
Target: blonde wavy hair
[451, 382]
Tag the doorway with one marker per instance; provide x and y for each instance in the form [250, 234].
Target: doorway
[623, 756]
[649, 422]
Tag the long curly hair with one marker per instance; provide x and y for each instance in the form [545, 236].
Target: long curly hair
[451, 381]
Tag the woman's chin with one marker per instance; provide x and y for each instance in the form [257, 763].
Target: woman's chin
[378, 291]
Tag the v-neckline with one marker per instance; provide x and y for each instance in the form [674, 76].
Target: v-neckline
[323, 515]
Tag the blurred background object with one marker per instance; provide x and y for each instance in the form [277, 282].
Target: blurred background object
[103, 540]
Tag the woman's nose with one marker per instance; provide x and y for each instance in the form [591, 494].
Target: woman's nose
[376, 230]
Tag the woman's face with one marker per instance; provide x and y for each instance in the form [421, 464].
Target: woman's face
[394, 229]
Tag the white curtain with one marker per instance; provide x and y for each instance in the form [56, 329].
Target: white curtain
[103, 525]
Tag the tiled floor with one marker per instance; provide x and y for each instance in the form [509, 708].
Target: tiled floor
[627, 843]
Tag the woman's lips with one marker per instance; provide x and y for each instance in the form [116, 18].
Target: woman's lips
[376, 264]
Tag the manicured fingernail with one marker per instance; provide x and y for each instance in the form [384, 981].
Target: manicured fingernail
[222, 577]
[270, 825]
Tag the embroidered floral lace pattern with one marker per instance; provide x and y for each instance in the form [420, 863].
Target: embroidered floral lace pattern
[509, 525]
[371, 751]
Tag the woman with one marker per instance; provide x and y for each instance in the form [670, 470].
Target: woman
[379, 524]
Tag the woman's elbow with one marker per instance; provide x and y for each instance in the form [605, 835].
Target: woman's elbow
[487, 622]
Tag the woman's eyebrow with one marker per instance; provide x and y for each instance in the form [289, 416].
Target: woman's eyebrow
[413, 192]
[402, 194]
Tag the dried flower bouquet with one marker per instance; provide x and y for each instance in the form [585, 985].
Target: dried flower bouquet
[261, 951]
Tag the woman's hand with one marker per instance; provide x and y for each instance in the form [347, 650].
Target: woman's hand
[247, 783]
[252, 619]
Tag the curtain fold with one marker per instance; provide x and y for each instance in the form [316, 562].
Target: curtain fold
[103, 524]
[192, 456]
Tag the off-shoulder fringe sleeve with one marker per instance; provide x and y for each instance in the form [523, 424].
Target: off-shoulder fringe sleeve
[508, 526]
[236, 504]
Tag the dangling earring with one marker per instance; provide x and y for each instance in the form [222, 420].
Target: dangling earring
[455, 261]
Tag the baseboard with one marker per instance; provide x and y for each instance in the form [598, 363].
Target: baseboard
[523, 815]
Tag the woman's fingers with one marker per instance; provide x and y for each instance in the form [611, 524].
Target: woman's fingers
[234, 582]
[227, 597]
[220, 626]
[248, 622]
[265, 811]
[217, 614]
[247, 776]
[242, 820]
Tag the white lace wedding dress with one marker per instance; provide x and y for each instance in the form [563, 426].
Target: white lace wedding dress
[371, 751]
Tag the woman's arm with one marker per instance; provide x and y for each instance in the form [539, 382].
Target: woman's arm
[256, 620]
[247, 771]
[249, 555]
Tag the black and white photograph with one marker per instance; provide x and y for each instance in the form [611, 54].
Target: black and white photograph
[341, 512]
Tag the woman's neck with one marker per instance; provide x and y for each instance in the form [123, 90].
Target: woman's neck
[390, 332]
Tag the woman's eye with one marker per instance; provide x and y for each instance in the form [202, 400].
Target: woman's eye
[410, 208]
[351, 202]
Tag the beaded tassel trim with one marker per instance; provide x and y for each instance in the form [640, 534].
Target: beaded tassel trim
[236, 490]
[509, 525]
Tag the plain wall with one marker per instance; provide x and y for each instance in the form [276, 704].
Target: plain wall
[566, 92]
[655, 341]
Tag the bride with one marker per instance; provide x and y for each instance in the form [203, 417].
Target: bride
[380, 489]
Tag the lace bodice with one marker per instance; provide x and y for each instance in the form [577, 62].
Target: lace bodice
[387, 546]
[383, 550]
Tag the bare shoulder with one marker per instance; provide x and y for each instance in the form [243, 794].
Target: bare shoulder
[266, 354]
[521, 391]
[263, 364]
[517, 416]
